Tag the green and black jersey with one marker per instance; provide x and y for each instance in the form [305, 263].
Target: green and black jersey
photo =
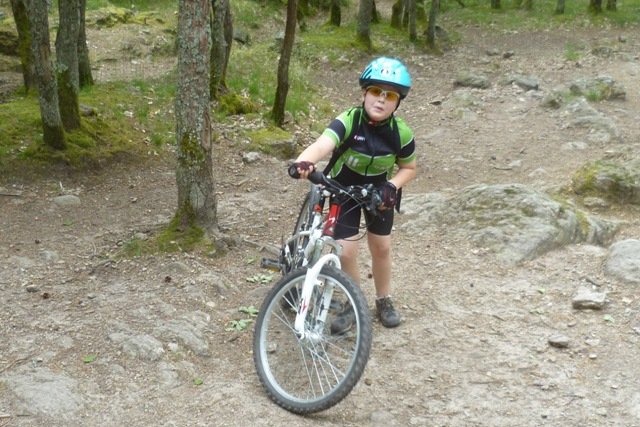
[373, 149]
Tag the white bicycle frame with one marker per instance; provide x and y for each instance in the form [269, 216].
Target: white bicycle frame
[316, 243]
[310, 281]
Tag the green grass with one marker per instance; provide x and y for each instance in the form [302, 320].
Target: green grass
[142, 5]
[574, 52]
[120, 126]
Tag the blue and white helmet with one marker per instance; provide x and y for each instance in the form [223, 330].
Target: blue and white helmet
[387, 71]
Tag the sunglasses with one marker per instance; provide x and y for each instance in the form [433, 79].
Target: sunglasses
[386, 94]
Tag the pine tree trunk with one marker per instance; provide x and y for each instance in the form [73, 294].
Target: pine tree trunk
[228, 36]
[413, 34]
[375, 16]
[53, 132]
[85, 77]
[283, 65]
[197, 203]
[364, 21]
[431, 25]
[396, 14]
[336, 13]
[221, 39]
[21, 19]
[67, 66]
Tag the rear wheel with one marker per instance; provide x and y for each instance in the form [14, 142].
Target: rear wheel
[313, 373]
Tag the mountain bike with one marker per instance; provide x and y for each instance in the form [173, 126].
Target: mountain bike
[303, 367]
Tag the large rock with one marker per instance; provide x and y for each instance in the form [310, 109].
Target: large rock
[43, 392]
[611, 180]
[514, 221]
[623, 261]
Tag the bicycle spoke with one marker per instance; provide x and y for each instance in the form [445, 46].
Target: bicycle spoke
[324, 363]
[314, 370]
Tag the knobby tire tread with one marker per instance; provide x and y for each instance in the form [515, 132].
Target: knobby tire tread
[362, 353]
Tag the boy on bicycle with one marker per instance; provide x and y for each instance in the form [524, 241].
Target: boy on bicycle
[367, 143]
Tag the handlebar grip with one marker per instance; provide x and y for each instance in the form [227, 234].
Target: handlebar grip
[317, 177]
[293, 171]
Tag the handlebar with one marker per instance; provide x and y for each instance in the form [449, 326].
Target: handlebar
[318, 177]
[365, 195]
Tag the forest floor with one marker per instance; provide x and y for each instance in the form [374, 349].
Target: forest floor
[473, 346]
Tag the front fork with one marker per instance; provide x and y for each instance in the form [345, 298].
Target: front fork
[310, 282]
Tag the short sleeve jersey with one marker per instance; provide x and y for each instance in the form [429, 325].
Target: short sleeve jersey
[373, 151]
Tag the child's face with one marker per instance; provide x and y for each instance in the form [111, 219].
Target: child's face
[380, 101]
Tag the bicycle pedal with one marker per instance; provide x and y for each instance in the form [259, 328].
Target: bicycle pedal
[270, 264]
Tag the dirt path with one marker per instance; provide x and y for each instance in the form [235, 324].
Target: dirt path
[145, 342]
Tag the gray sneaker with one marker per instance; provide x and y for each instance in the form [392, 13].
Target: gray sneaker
[343, 321]
[388, 315]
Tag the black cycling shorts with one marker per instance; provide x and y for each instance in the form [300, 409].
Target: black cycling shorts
[348, 224]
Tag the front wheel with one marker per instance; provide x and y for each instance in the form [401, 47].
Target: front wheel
[314, 372]
[293, 258]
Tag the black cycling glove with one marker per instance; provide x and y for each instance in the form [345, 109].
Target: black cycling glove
[388, 194]
[304, 165]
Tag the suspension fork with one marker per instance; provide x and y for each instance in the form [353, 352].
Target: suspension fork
[311, 281]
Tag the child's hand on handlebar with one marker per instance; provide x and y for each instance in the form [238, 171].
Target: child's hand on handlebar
[388, 194]
[301, 169]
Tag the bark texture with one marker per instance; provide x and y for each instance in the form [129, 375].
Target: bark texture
[67, 66]
[595, 6]
[365, 14]
[335, 15]
[85, 75]
[21, 18]
[221, 40]
[283, 65]
[413, 32]
[53, 132]
[431, 25]
[197, 202]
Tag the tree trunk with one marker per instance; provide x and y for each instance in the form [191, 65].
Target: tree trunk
[375, 16]
[397, 11]
[421, 13]
[21, 19]
[283, 64]
[595, 6]
[413, 35]
[364, 20]
[228, 36]
[559, 7]
[335, 13]
[303, 10]
[405, 13]
[219, 42]
[495, 4]
[85, 77]
[53, 132]
[197, 203]
[431, 25]
[612, 5]
[67, 63]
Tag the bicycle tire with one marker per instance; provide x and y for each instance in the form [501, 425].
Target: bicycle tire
[303, 223]
[310, 375]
